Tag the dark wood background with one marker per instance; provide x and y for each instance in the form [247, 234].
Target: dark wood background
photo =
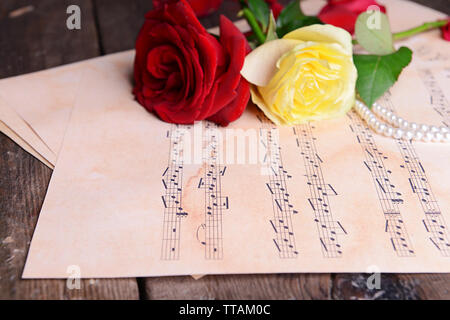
[33, 36]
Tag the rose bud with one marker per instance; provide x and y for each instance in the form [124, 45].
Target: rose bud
[343, 13]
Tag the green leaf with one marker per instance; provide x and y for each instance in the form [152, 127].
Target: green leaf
[373, 32]
[292, 17]
[261, 11]
[376, 74]
[271, 29]
[290, 13]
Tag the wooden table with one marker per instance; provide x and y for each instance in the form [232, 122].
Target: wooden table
[35, 37]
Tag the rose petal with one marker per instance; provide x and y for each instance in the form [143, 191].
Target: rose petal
[260, 65]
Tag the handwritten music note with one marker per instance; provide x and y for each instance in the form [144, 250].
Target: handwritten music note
[320, 192]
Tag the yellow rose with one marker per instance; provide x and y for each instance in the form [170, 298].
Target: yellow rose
[307, 75]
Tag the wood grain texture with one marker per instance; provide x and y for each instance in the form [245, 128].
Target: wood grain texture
[392, 287]
[266, 287]
[120, 21]
[440, 5]
[33, 36]
[39, 39]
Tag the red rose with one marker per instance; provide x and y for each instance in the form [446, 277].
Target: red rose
[343, 13]
[446, 31]
[204, 7]
[184, 74]
[201, 7]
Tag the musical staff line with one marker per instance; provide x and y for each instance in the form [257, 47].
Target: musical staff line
[437, 98]
[434, 221]
[172, 180]
[328, 229]
[215, 202]
[281, 223]
[389, 198]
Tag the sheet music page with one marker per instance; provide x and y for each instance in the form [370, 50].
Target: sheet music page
[155, 199]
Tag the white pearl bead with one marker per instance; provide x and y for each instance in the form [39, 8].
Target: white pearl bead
[409, 135]
[400, 129]
[437, 137]
[447, 137]
[388, 115]
[427, 136]
[366, 116]
[424, 127]
[388, 131]
[418, 135]
[381, 128]
[393, 119]
[413, 126]
[398, 133]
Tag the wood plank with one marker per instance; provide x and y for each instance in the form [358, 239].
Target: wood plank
[392, 287]
[256, 286]
[429, 286]
[440, 5]
[39, 39]
[33, 36]
[120, 21]
[354, 287]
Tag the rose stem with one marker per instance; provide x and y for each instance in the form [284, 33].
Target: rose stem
[413, 31]
[254, 25]
[424, 27]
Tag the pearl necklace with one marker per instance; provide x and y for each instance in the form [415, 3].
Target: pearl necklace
[400, 128]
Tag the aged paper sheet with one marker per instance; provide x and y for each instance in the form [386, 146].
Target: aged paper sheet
[18, 130]
[23, 144]
[44, 100]
[133, 196]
